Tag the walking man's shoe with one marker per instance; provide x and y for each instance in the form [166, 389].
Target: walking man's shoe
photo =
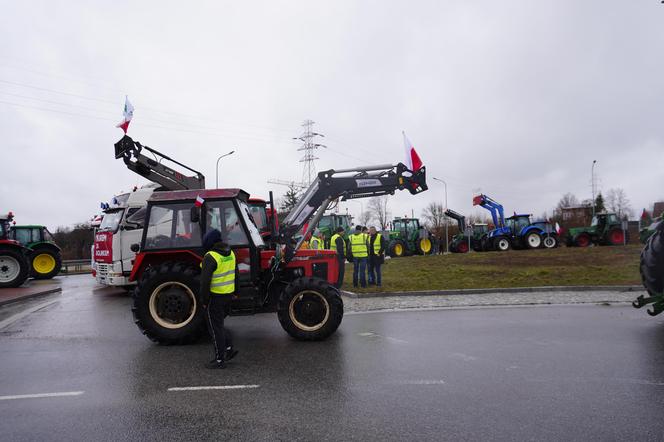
[215, 364]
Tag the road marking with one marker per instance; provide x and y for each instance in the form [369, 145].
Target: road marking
[9, 321]
[424, 382]
[41, 395]
[214, 387]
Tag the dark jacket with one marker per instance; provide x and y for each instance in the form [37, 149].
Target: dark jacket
[208, 268]
[340, 249]
[381, 253]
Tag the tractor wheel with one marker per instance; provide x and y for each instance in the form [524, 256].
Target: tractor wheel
[652, 264]
[166, 306]
[616, 237]
[533, 240]
[397, 249]
[310, 309]
[45, 263]
[14, 268]
[550, 242]
[583, 240]
[501, 244]
[462, 247]
[424, 246]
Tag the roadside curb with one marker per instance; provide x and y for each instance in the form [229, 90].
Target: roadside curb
[571, 288]
[4, 302]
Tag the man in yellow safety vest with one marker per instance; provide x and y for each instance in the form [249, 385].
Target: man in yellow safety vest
[338, 244]
[359, 250]
[316, 242]
[376, 256]
[218, 271]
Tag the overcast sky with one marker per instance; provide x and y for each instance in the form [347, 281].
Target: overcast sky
[513, 98]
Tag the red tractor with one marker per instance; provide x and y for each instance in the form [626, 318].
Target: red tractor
[298, 284]
[14, 261]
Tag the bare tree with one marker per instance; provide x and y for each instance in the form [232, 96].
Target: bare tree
[617, 201]
[366, 217]
[434, 216]
[378, 208]
[568, 200]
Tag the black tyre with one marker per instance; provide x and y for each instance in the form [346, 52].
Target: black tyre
[310, 309]
[550, 242]
[502, 244]
[14, 268]
[397, 249]
[45, 263]
[166, 304]
[652, 264]
[533, 240]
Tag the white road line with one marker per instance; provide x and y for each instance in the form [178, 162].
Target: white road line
[423, 382]
[213, 387]
[9, 321]
[41, 395]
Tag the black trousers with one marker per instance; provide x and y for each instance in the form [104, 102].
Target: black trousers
[216, 310]
[342, 270]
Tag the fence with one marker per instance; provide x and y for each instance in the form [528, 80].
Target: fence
[75, 266]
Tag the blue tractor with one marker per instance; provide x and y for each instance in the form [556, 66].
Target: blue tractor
[516, 231]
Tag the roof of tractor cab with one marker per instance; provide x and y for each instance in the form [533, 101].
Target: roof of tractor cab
[178, 195]
[519, 215]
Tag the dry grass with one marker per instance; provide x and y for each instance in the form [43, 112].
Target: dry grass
[517, 268]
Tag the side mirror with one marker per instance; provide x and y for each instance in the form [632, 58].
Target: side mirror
[195, 214]
[135, 247]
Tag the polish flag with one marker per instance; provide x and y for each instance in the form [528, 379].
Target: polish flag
[412, 159]
[127, 114]
[199, 201]
[558, 228]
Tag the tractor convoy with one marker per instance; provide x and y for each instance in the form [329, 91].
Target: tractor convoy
[469, 236]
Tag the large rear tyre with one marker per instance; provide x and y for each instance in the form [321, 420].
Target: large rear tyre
[310, 309]
[14, 268]
[652, 264]
[462, 247]
[397, 249]
[424, 246]
[533, 240]
[45, 263]
[616, 237]
[166, 304]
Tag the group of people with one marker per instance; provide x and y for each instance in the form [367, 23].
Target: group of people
[365, 248]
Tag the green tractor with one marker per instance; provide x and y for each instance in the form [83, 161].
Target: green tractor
[329, 223]
[462, 242]
[45, 255]
[408, 237]
[605, 229]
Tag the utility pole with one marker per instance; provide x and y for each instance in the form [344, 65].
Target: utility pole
[446, 238]
[592, 183]
[309, 147]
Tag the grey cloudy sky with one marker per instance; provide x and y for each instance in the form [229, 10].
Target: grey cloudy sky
[515, 98]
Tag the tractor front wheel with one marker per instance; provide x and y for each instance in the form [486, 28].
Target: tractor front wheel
[533, 240]
[583, 240]
[310, 309]
[397, 249]
[550, 242]
[45, 263]
[502, 244]
[166, 304]
[616, 237]
[14, 268]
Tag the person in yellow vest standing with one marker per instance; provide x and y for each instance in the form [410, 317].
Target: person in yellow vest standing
[360, 252]
[316, 242]
[218, 271]
[338, 244]
[376, 256]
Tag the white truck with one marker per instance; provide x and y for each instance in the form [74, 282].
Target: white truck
[121, 226]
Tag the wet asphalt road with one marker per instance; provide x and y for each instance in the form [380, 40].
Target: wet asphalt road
[536, 373]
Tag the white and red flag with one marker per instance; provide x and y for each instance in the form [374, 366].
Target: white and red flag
[199, 201]
[413, 160]
[558, 228]
[127, 115]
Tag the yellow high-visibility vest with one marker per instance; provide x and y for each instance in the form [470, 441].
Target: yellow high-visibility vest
[316, 243]
[376, 246]
[333, 243]
[223, 278]
[358, 245]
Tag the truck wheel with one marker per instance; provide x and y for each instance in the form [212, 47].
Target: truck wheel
[616, 237]
[550, 242]
[397, 249]
[502, 244]
[310, 309]
[533, 240]
[14, 268]
[45, 263]
[652, 264]
[166, 307]
[583, 240]
[424, 246]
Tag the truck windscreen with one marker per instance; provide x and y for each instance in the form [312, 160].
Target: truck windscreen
[111, 221]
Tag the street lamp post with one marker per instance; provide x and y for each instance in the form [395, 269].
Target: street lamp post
[592, 183]
[217, 169]
[447, 246]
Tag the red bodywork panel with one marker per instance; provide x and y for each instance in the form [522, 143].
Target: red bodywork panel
[305, 259]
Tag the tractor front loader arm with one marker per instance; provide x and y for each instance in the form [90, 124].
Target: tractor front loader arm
[153, 169]
[460, 219]
[361, 182]
[495, 208]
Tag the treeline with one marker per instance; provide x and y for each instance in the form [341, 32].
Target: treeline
[75, 242]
